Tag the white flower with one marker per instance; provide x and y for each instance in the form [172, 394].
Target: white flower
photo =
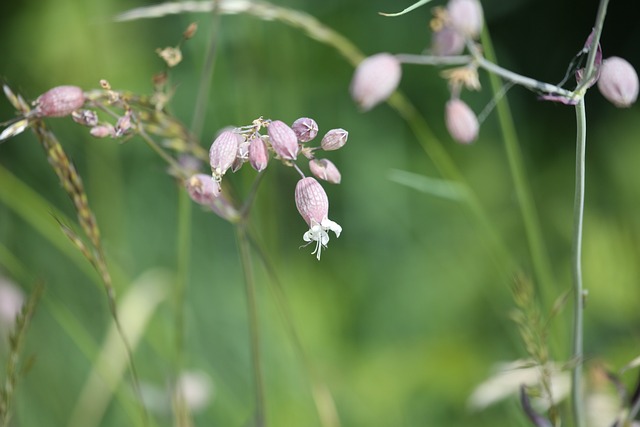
[318, 233]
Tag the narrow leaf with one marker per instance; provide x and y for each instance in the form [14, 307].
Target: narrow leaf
[436, 187]
[407, 10]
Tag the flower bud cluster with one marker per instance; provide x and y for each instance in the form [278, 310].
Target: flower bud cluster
[257, 144]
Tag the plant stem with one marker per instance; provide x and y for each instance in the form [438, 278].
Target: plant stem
[578, 217]
[252, 312]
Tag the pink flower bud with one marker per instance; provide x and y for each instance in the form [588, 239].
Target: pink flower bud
[618, 82]
[461, 122]
[447, 42]
[85, 117]
[311, 200]
[465, 16]
[223, 152]
[11, 301]
[203, 189]
[103, 131]
[334, 139]
[305, 129]
[283, 140]
[375, 79]
[123, 124]
[59, 101]
[325, 170]
[258, 154]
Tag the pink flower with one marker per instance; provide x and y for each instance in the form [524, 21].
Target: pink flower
[305, 129]
[375, 79]
[59, 101]
[334, 139]
[283, 140]
[465, 16]
[325, 170]
[258, 153]
[223, 152]
[313, 205]
[203, 189]
[618, 82]
[461, 122]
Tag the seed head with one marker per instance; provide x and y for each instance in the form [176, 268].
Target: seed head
[223, 152]
[258, 153]
[461, 122]
[283, 140]
[618, 82]
[465, 16]
[203, 189]
[305, 129]
[325, 170]
[375, 79]
[334, 139]
[59, 101]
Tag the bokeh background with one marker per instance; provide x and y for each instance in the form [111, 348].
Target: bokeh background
[407, 312]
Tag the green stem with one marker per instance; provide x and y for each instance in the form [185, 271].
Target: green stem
[182, 276]
[252, 311]
[578, 217]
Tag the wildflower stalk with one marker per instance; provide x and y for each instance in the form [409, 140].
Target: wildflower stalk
[183, 249]
[578, 216]
[252, 312]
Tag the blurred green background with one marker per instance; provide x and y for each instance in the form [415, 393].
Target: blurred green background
[407, 312]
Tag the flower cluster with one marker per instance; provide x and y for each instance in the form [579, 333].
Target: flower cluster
[256, 144]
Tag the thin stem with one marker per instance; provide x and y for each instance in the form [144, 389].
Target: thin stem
[407, 58]
[252, 312]
[591, 58]
[182, 275]
[578, 216]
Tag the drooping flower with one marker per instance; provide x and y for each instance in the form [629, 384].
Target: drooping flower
[375, 79]
[283, 140]
[223, 152]
[461, 121]
[618, 82]
[258, 153]
[59, 101]
[203, 189]
[313, 204]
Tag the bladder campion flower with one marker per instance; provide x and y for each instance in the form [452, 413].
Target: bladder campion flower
[59, 101]
[283, 140]
[305, 129]
[334, 139]
[258, 153]
[375, 79]
[325, 170]
[223, 152]
[618, 82]
[313, 205]
[203, 189]
[465, 16]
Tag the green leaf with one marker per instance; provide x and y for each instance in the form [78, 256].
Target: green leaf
[407, 10]
[434, 186]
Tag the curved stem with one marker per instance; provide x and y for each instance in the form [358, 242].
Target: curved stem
[252, 312]
[578, 216]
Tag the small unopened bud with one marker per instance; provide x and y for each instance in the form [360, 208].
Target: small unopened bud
[11, 301]
[103, 131]
[305, 129]
[334, 139]
[312, 201]
[375, 79]
[465, 16]
[190, 31]
[325, 170]
[258, 153]
[59, 101]
[123, 124]
[283, 140]
[461, 121]
[447, 42]
[203, 189]
[223, 152]
[618, 82]
[85, 117]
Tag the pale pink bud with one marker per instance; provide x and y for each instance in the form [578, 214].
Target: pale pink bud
[103, 131]
[123, 124]
[305, 129]
[447, 42]
[258, 154]
[325, 170]
[334, 139]
[375, 79]
[59, 101]
[11, 301]
[312, 201]
[223, 152]
[618, 82]
[465, 16]
[283, 140]
[461, 122]
[203, 189]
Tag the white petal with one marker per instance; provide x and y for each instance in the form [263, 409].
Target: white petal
[333, 226]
